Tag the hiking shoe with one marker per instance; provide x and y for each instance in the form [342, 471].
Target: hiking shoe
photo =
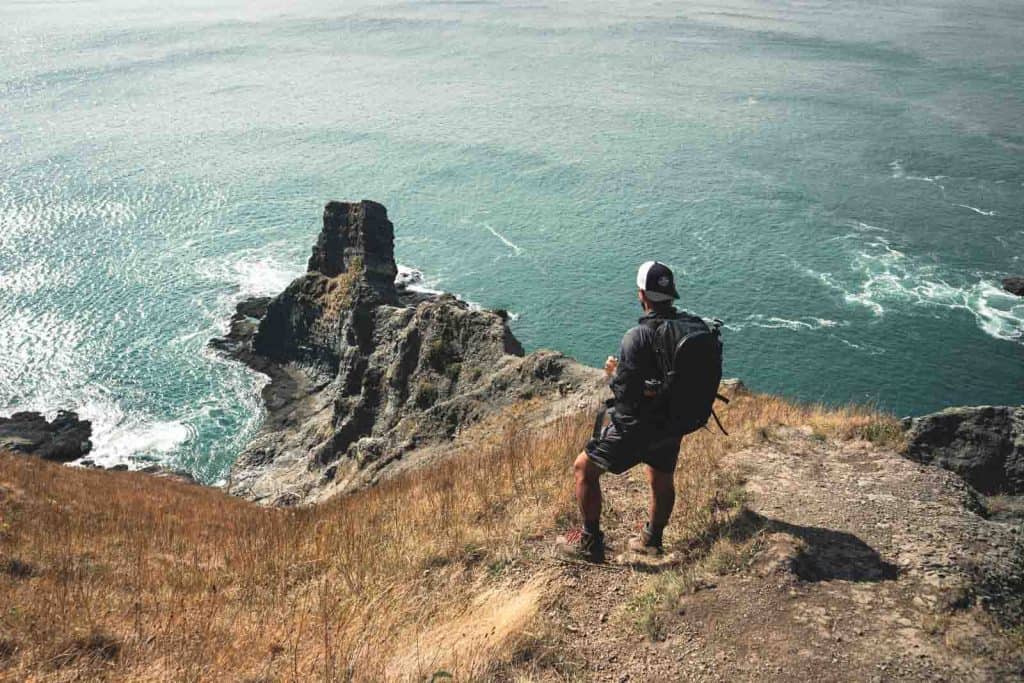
[579, 545]
[641, 544]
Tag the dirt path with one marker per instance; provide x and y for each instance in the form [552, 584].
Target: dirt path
[861, 565]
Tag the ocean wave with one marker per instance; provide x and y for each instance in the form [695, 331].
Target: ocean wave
[899, 172]
[776, 323]
[516, 249]
[861, 226]
[886, 277]
[999, 313]
[121, 438]
[260, 274]
[118, 437]
[977, 210]
[413, 280]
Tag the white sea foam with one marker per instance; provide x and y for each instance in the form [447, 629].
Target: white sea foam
[998, 312]
[867, 227]
[259, 274]
[977, 210]
[413, 280]
[869, 349]
[43, 367]
[885, 275]
[899, 172]
[119, 437]
[776, 323]
[516, 250]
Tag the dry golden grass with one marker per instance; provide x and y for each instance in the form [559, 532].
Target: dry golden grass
[132, 577]
[122, 576]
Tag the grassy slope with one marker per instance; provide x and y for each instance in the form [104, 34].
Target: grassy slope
[131, 577]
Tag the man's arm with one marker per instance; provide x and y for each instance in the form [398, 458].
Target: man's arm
[627, 383]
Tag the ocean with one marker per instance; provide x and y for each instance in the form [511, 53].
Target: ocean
[840, 182]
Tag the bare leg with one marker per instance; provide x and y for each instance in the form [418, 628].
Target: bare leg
[588, 488]
[663, 496]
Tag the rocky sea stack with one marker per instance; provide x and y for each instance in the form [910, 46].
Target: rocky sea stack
[364, 372]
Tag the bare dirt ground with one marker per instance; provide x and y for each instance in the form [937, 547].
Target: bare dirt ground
[848, 563]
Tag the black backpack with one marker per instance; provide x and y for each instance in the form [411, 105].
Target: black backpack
[689, 358]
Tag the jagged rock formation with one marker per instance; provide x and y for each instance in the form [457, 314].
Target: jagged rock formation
[1014, 285]
[364, 372]
[63, 440]
[984, 445]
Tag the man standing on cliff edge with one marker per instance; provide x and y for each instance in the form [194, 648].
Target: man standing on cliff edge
[639, 430]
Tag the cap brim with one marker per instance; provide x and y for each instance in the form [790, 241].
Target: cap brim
[658, 296]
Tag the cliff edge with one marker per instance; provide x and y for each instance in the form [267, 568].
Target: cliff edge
[366, 376]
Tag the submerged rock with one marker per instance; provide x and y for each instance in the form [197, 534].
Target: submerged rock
[1014, 285]
[64, 439]
[362, 371]
[984, 445]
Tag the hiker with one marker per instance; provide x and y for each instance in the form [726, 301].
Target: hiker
[654, 406]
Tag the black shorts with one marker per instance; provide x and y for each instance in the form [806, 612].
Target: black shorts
[618, 450]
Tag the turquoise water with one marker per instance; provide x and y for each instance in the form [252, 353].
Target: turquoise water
[841, 182]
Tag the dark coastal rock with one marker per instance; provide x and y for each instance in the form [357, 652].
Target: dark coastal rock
[1014, 285]
[252, 309]
[242, 325]
[984, 445]
[357, 237]
[362, 371]
[170, 473]
[64, 439]
[152, 470]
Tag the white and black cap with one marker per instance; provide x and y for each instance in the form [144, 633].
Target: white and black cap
[657, 281]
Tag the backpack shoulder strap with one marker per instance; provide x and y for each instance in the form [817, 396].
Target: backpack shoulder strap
[719, 422]
[652, 323]
[663, 353]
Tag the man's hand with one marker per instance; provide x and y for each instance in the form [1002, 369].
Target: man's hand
[610, 365]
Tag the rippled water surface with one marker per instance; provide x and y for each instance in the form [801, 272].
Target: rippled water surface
[841, 182]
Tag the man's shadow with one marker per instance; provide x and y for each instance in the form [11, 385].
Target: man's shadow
[822, 555]
[825, 555]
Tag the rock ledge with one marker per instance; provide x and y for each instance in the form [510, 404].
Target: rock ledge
[984, 445]
[65, 439]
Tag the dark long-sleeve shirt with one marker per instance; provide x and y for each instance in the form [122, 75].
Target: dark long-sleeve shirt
[637, 364]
